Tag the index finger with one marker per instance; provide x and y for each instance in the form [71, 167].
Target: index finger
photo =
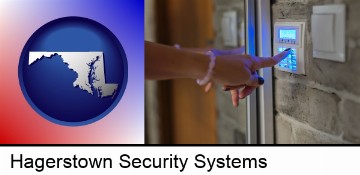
[272, 61]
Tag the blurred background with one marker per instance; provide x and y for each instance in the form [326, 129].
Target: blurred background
[179, 111]
[320, 107]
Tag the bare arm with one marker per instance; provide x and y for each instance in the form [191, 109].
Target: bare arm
[232, 69]
[165, 62]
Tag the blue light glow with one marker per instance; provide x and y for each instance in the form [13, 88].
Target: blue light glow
[290, 61]
[287, 34]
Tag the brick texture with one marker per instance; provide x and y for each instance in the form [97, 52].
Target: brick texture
[321, 107]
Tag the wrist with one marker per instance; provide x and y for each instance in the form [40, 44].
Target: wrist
[198, 64]
[210, 70]
[195, 64]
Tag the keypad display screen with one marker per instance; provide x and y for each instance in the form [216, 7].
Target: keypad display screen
[290, 61]
[287, 34]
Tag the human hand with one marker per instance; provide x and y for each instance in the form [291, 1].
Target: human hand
[217, 52]
[237, 71]
[229, 66]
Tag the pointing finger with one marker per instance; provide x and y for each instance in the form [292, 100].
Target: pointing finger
[272, 61]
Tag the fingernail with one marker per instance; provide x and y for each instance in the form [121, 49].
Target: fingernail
[226, 89]
[261, 80]
[287, 49]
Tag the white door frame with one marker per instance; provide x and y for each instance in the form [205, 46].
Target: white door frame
[251, 100]
[265, 100]
[260, 112]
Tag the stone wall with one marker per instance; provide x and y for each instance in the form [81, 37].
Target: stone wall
[324, 105]
[321, 107]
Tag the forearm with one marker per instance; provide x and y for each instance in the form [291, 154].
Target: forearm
[166, 62]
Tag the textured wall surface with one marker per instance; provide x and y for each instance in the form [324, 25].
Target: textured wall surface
[321, 107]
[324, 105]
[231, 121]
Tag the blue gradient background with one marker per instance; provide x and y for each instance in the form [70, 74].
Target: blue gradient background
[19, 123]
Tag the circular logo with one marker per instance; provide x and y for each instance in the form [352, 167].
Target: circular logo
[73, 71]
